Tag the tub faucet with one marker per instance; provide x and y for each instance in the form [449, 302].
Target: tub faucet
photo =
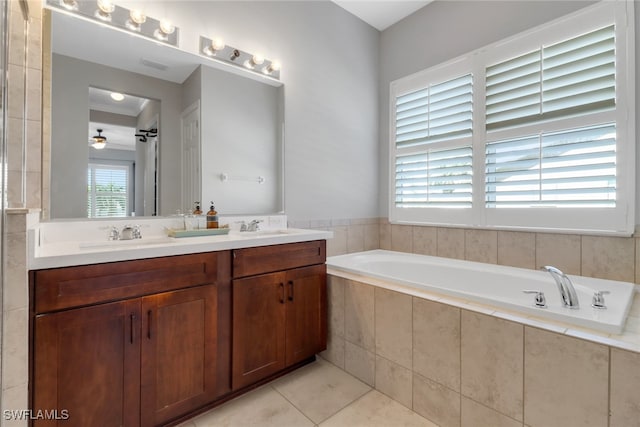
[567, 291]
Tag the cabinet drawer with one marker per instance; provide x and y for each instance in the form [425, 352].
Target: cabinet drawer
[62, 288]
[267, 259]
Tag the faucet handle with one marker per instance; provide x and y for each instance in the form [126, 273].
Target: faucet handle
[598, 300]
[137, 234]
[541, 301]
[243, 225]
[114, 234]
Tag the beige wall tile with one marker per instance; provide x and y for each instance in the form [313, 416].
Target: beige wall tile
[451, 243]
[566, 381]
[360, 363]
[15, 130]
[425, 240]
[608, 257]
[335, 350]
[637, 260]
[625, 388]
[34, 146]
[16, 289]
[481, 246]
[436, 342]
[358, 314]
[436, 402]
[16, 36]
[385, 236]
[355, 238]
[559, 250]
[393, 323]
[371, 236]
[394, 380]
[15, 348]
[337, 245]
[335, 311]
[15, 398]
[16, 99]
[34, 94]
[477, 415]
[34, 50]
[34, 194]
[401, 238]
[517, 249]
[491, 362]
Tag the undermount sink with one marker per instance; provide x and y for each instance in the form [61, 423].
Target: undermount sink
[126, 243]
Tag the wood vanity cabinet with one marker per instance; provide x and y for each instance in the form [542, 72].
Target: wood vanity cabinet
[279, 308]
[133, 343]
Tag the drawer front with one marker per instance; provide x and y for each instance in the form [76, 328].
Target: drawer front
[267, 259]
[62, 288]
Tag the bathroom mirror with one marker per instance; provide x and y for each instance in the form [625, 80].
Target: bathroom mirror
[219, 134]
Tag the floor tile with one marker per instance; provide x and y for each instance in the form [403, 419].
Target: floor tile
[263, 407]
[376, 410]
[319, 390]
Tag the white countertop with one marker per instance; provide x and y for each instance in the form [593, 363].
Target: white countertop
[47, 252]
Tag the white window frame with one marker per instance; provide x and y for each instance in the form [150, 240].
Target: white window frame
[129, 189]
[612, 221]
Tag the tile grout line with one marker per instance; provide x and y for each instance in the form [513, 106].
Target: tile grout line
[293, 405]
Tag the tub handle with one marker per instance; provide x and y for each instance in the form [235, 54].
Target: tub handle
[541, 301]
[598, 300]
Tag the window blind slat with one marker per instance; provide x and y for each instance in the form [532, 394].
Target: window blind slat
[107, 191]
[574, 77]
[573, 167]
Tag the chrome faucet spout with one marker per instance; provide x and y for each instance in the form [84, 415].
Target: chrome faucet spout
[565, 287]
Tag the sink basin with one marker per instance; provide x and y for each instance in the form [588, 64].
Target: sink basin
[125, 243]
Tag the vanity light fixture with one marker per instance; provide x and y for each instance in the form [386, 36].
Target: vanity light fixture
[117, 96]
[216, 50]
[133, 21]
[99, 140]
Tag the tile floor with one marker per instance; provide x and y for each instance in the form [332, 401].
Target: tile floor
[318, 394]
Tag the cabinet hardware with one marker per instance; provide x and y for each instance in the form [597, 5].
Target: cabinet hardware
[149, 324]
[290, 290]
[281, 293]
[133, 319]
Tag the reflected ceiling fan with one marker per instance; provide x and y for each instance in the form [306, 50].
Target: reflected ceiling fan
[98, 141]
[146, 133]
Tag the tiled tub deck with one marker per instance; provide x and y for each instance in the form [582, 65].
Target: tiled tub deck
[455, 362]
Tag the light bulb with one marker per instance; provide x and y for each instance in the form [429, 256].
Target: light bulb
[217, 44]
[167, 27]
[274, 66]
[69, 4]
[256, 59]
[137, 16]
[106, 6]
[116, 96]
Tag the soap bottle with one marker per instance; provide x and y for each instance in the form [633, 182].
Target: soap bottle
[212, 217]
[197, 210]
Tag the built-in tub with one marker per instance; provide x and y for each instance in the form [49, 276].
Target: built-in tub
[495, 285]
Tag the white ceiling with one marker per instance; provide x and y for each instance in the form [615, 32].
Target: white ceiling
[381, 14]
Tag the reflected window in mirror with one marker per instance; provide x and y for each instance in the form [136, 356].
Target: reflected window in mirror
[108, 190]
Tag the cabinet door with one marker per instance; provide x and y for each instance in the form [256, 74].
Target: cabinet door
[258, 328]
[87, 363]
[306, 313]
[179, 338]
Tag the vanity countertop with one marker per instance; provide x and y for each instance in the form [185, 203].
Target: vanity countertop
[44, 252]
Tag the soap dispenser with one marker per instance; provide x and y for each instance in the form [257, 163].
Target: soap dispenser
[197, 210]
[212, 217]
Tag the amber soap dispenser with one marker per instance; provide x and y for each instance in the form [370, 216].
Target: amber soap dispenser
[212, 217]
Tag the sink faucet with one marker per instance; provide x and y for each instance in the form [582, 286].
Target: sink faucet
[254, 225]
[567, 291]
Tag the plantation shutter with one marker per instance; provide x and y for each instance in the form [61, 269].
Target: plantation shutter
[573, 77]
[107, 190]
[436, 113]
[574, 168]
[433, 126]
[436, 178]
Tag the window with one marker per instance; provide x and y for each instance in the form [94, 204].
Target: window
[534, 132]
[108, 191]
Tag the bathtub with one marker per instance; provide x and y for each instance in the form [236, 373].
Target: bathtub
[495, 285]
